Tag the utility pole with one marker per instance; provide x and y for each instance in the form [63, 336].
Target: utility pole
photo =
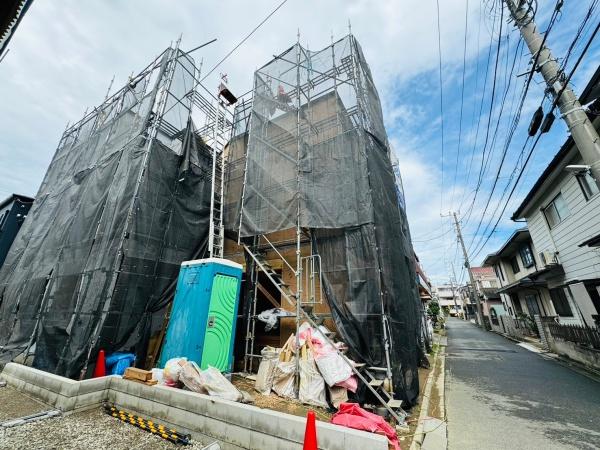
[472, 295]
[583, 132]
[454, 297]
[452, 281]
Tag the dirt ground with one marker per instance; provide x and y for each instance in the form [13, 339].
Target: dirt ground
[277, 403]
[15, 404]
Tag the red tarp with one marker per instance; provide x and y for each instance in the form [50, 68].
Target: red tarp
[353, 416]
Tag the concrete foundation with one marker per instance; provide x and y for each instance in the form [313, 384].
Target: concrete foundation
[234, 425]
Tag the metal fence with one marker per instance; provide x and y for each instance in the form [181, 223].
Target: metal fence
[575, 333]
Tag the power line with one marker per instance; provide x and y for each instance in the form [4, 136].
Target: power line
[441, 97]
[475, 107]
[243, 40]
[482, 246]
[551, 23]
[507, 142]
[487, 132]
[483, 91]
[584, 22]
[462, 100]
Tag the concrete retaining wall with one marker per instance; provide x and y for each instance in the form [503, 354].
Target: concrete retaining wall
[583, 355]
[234, 425]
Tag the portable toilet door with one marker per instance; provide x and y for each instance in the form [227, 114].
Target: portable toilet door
[221, 321]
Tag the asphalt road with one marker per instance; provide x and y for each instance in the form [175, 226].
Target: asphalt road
[500, 395]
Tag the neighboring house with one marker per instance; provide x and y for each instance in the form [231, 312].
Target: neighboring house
[523, 277]
[13, 211]
[562, 211]
[448, 296]
[469, 308]
[425, 294]
[425, 289]
[486, 289]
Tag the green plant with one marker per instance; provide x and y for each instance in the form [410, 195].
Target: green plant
[433, 309]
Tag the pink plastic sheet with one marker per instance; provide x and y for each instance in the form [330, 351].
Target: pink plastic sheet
[351, 415]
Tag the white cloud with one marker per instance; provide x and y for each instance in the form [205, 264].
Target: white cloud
[65, 52]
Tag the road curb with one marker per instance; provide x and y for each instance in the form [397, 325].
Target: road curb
[420, 433]
[567, 362]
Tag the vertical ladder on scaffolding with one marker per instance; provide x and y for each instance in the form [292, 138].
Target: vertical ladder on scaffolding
[221, 133]
[216, 237]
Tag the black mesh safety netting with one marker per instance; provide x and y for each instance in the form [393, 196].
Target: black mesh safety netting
[125, 200]
[316, 153]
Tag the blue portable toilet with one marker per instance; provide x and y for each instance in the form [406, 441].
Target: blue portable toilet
[204, 313]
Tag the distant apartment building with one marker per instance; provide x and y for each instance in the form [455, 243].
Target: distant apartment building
[486, 289]
[562, 211]
[13, 211]
[449, 298]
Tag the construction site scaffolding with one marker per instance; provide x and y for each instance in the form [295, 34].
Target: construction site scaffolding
[131, 192]
[318, 162]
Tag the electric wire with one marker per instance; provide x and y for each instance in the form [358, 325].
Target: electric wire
[475, 109]
[482, 246]
[578, 34]
[439, 34]
[462, 101]
[481, 104]
[551, 23]
[222, 60]
[507, 142]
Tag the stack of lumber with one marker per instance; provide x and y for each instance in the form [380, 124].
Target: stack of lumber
[139, 376]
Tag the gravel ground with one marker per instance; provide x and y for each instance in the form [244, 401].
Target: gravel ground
[14, 404]
[92, 430]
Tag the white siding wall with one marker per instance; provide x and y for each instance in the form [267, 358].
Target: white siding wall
[579, 263]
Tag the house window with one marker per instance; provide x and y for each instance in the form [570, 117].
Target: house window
[556, 211]
[588, 185]
[532, 305]
[514, 264]
[499, 273]
[514, 299]
[560, 302]
[526, 256]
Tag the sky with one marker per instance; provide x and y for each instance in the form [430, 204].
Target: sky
[65, 53]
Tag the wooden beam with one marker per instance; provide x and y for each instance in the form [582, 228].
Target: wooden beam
[267, 294]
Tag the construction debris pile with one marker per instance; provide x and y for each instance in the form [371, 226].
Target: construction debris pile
[322, 370]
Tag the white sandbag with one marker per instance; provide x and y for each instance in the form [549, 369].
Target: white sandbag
[338, 395]
[191, 377]
[157, 374]
[283, 378]
[172, 370]
[217, 385]
[264, 377]
[333, 368]
[312, 385]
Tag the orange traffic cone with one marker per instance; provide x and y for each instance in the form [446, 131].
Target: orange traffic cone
[100, 369]
[310, 434]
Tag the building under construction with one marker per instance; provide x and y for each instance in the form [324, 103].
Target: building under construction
[313, 203]
[313, 210]
[125, 200]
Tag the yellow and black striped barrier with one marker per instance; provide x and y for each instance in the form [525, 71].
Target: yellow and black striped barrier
[160, 430]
